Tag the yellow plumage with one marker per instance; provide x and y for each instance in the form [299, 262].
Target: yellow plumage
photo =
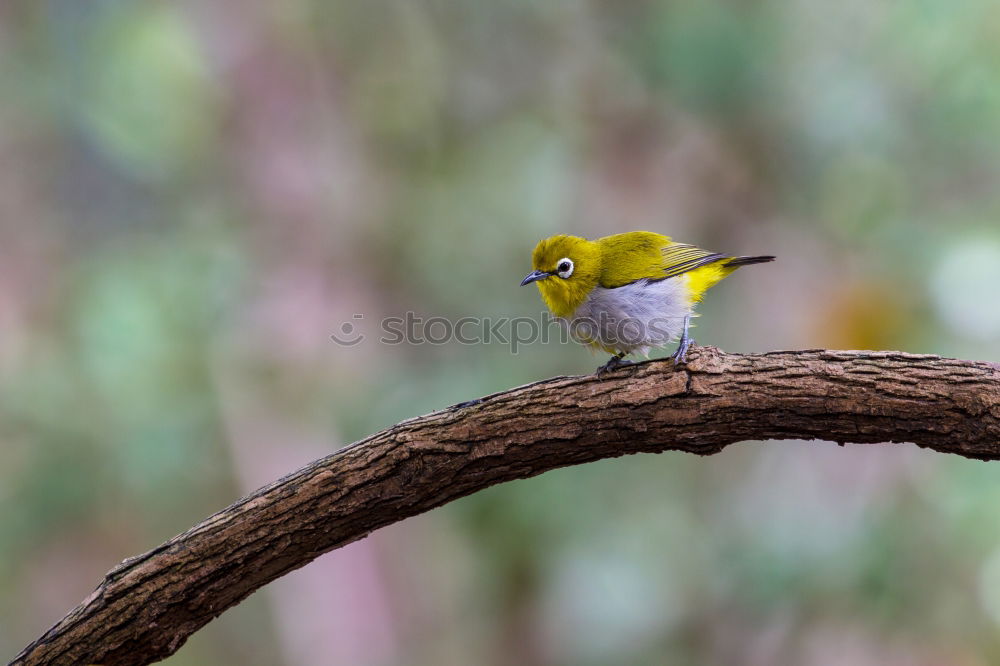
[635, 277]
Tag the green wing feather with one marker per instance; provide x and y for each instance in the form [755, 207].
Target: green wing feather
[680, 258]
[644, 255]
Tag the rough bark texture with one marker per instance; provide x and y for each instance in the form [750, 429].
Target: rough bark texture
[148, 606]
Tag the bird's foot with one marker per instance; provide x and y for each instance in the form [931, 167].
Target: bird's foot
[680, 356]
[614, 363]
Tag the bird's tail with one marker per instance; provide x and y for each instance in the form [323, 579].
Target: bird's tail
[703, 278]
[736, 262]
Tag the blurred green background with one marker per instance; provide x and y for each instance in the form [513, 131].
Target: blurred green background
[194, 196]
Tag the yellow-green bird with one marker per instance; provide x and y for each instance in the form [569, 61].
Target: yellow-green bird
[628, 292]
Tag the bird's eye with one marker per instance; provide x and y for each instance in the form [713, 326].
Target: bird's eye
[565, 268]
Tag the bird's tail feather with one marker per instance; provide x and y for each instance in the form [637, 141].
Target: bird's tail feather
[746, 261]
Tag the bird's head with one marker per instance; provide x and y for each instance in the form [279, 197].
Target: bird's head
[567, 268]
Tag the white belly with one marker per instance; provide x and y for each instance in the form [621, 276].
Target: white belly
[635, 317]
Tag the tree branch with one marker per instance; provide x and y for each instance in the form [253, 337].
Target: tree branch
[148, 606]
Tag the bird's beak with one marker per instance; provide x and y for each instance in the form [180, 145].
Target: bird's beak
[533, 276]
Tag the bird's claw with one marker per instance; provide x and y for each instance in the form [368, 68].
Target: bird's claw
[613, 364]
[680, 355]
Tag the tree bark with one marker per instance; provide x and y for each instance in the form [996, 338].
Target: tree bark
[146, 608]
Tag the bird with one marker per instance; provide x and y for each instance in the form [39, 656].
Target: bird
[628, 292]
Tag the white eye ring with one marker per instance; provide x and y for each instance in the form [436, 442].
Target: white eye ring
[564, 268]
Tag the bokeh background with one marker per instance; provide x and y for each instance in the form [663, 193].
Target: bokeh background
[195, 195]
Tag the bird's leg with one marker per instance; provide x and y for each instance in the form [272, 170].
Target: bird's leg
[684, 344]
[614, 363]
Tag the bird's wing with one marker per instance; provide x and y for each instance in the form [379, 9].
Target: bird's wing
[680, 258]
[643, 255]
[630, 257]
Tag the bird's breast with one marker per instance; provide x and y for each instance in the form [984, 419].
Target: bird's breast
[635, 316]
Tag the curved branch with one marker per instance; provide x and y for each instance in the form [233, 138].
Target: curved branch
[148, 606]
